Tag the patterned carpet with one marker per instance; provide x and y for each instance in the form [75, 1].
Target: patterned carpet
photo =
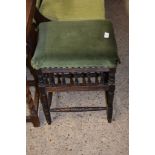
[89, 133]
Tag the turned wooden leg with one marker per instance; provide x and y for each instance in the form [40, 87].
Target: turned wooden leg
[45, 105]
[110, 95]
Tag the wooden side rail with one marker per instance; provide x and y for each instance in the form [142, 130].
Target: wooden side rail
[77, 109]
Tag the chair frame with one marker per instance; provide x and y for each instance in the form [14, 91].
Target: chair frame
[30, 47]
[47, 77]
[33, 106]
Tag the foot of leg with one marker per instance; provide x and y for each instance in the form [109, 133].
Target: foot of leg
[45, 105]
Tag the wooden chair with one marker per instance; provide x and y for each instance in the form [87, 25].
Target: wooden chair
[30, 38]
[75, 52]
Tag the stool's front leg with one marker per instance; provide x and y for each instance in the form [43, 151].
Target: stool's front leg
[44, 96]
[45, 105]
[110, 96]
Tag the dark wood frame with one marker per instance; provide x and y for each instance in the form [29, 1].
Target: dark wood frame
[30, 47]
[76, 79]
[47, 77]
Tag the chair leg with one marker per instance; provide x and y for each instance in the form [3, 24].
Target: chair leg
[35, 121]
[45, 105]
[110, 97]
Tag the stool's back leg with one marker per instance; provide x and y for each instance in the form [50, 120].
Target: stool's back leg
[50, 94]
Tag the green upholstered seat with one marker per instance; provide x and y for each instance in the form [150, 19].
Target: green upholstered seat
[38, 3]
[75, 44]
[71, 10]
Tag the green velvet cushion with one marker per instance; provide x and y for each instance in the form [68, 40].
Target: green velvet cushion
[70, 10]
[38, 3]
[75, 44]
